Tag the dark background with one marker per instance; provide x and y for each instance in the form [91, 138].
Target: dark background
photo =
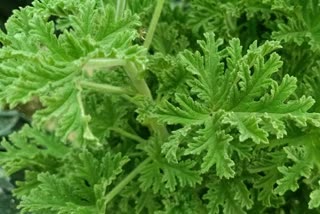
[6, 7]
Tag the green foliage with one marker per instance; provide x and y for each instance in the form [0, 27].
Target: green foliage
[55, 59]
[82, 191]
[220, 114]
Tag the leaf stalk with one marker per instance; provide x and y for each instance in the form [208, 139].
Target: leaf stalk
[105, 88]
[117, 189]
[128, 135]
[153, 24]
[121, 5]
[100, 63]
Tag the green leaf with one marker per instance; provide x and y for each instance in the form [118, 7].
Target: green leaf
[300, 25]
[302, 167]
[181, 202]
[66, 102]
[160, 172]
[167, 39]
[97, 105]
[228, 196]
[214, 142]
[267, 163]
[31, 149]
[80, 189]
[189, 112]
[92, 169]
[250, 100]
[314, 199]
[214, 16]
[65, 200]
[171, 74]
[207, 68]
[171, 147]
[248, 128]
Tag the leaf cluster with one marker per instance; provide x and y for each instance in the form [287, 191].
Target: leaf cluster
[220, 114]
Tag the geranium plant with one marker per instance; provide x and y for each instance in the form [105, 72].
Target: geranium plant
[143, 106]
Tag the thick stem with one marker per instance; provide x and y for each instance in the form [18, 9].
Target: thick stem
[153, 24]
[139, 83]
[142, 87]
[121, 5]
[117, 189]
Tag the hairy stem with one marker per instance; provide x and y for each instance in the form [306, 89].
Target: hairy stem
[142, 87]
[104, 88]
[153, 24]
[117, 189]
[121, 5]
[139, 83]
[103, 63]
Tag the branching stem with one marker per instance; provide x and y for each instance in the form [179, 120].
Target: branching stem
[141, 86]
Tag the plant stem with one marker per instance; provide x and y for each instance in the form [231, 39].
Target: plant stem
[99, 63]
[153, 24]
[129, 135]
[104, 88]
[139, 83]
[143, 88]
[117, 189]
[121, 5]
